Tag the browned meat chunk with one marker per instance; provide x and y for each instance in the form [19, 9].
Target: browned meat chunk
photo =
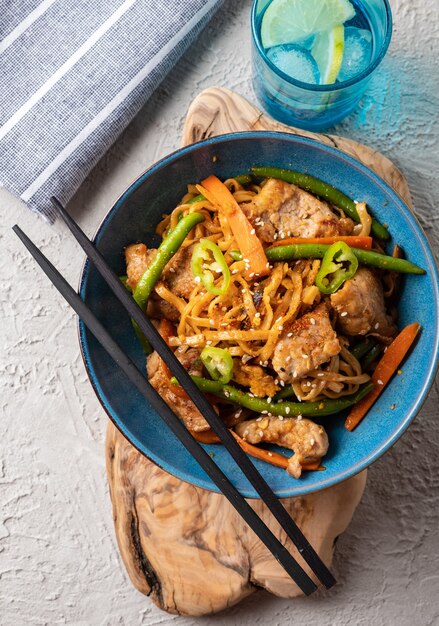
[261, 384]
[360, 307]
[178, 273]
[308, 440]
[306, 344]
[282, 210]
[137, 258]
[181, 404]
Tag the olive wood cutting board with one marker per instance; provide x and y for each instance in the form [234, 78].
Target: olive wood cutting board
[187, 547]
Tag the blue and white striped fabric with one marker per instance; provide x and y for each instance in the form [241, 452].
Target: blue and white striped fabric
[73, 75]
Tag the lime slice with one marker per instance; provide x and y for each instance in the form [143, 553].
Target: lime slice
[287, 21]
[328, 51]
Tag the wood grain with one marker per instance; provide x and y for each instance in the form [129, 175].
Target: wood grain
[184, 546]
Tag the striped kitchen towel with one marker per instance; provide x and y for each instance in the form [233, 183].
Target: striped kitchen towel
[73, 75]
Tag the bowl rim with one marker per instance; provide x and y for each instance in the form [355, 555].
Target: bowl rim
[433, 366]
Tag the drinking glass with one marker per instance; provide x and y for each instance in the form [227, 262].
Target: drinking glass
[316, 107]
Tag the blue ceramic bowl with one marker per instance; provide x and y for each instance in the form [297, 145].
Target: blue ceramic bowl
[134, 217]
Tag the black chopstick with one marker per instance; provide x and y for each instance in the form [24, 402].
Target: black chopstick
[200, 401]
[279, 551]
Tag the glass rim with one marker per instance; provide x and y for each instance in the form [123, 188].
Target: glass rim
[324, 88]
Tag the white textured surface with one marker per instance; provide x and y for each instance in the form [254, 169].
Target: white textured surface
[58, 556]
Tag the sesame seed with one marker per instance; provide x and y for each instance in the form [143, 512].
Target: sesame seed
[252, 232]
[343, 314]
[299, 417]
[304, 356]
[197, 279]
[380, 382]
[251, 275]
[281, 418]
[235, 271]
[280, 328]
[312, 320]
[223, 309]
[269, 453]
[288, 359]
[289, 334]
[392, 406]
[258, 419]
[212, 322]
[377, 325]
[287, 409]
[282, 383]
[312, 441]
[208, 342]
[269, 400]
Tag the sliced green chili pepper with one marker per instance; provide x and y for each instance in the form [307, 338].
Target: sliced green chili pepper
[287, 409]
[338, 265]
[321, 189]
[204, 269]
[218, 362]
[365, 257]
[166, 250]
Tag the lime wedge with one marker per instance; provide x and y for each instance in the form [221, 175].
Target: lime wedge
[328, 51]
[287, 21]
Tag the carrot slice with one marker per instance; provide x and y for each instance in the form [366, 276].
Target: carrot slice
[247, 240]
[355, 242]
[384, 371]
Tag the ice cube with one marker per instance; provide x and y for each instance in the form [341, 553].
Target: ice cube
[295, 61]
[357, 52]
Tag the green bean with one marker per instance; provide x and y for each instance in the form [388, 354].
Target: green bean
[236, 255]
[363, 347]
[285, 392]
[166, 250]
[196, 199]
[321, 189]
[242, 179]
[286, 409]
[366, 257]
[371, 356]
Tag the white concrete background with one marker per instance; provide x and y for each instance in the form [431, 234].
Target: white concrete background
[59, 562]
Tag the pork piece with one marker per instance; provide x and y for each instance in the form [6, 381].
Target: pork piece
[361, 309]
[178, 273]
[261, 384]
[308, 440]
[306, 344]
[137, 258]
[282, 210]
[181, 404]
